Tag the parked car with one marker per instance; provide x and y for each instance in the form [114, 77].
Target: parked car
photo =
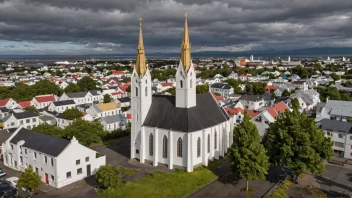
[2, 172]
[7, 190]
[13, 181]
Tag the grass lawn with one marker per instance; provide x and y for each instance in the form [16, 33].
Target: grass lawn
[280, 192]
[159, 184]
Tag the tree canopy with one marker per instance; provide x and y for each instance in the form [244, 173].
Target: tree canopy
[248, 158]
[50, 130]
[295, 141]
[72, 88]
[255, 88]
[107, 98]
[200, 89]
[29, 179]
[87, 83]
[286, 93]
[32, 108]
[71, 114]
[107, 176]
[335, 77]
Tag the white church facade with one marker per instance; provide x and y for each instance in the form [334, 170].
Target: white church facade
[186, 130]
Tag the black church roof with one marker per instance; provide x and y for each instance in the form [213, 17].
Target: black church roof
[164, 114]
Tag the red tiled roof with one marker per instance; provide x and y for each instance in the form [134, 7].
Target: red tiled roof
[45, 98]
[217, 98]
[4, 102]
[233, 111]
[24, 104]
[277, 108]
[167, 84]
[84, 113]
[116, 93]
[117, 72]
[253, 113]
[124, 87]
[271, 88]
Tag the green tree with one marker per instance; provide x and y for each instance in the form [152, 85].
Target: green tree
[29, 180]
[107, 98]
[171, 91]
[87, 83]
[43, 87]
[295, 141]
[71, 114]
[50, 130]
[247, 156]
[200, 89]
[295, 104]
[128, 89]
[335, 77]
[85, 132]
[107, 176]
[72, 88]
[286, 93]
[32, 108]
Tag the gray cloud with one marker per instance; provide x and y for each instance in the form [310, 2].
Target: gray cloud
[112, 26]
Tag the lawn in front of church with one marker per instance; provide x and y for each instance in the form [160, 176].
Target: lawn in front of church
[177, 184]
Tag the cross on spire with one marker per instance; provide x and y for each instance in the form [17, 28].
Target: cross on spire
[140, 21]
[185, 10]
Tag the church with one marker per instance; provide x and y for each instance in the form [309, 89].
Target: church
[183, 131]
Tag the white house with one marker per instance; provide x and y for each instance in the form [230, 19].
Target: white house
[79, 97]
[186, 130]
[8, 103]
[233, 75]
[61, 106]
[103, 110]
[114, 122]
[4, 112]
[42, 101]
[124, 102]
[27, 119]
[251, 102]
[58, 162]
[223, 89]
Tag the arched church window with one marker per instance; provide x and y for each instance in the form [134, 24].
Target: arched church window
[181, 83]
[190, 83]
[137, 116]
[151, 144]
[198, 147]
[146, 91]
[136, 91]
[164, 146]
[215, 141]
[208, 143]
[179, 147]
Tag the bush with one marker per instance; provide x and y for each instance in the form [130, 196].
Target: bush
[118, 133]
[108, 176]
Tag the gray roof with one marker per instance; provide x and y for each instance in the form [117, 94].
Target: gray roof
[339, 107]
[221, 86]
[125, 99]
[251, 97]
[4, 135]
[77, 94]
[46, 118]
[95, 92]
[41, 142]
[336, 125]
[113, 118]
[24, 115]
[64, 102]
[4, 109]
[164, 114]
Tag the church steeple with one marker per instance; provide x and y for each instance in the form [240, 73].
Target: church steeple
[185, 47]
[141, 67]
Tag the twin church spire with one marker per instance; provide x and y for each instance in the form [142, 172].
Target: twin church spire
[141, 66]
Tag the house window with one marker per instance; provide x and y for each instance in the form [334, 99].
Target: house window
[351, 137]
[87, 159]
[34, 120]
[181, 83]
[164, 146]
[21, 122]
[198, 147]
[45, 160]
[35, 155]
[36, 170]
[339, 144]
[11, 146]
[151, 144]
[79, 171]
[341, 135]
[208, 143]
[52, 178]
[78, 162]
[136, 91]
[68, 175]
[52, 161]
[215, 141]
[28, 121]
[25, 151]
[179, 147]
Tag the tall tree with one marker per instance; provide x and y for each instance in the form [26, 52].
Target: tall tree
[295, 104]
[247, 156]
[32, 108]
[71, 114]
[72, 88]
[286, 93]
[46, 87]
[49, 130]
[295, 141]
[29, 180]
[200, 89]
[107, 176]
[87, 83]
[107, 98]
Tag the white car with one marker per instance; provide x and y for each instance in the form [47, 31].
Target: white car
[13, 181]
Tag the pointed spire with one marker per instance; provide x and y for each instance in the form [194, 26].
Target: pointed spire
[185, 47]
[140, 62]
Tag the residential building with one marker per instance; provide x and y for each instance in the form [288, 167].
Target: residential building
[43, 101]
[4, 112]
[223, 89]
[61, 106]
[124, 102]
[250, 102]
[27, 119]
[58, 162]
[334, 110]
[80, 98]
[103, 110]
[114, 122]
[8, 103]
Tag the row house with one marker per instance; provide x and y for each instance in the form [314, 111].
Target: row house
[103, 110]
[80, 98]
[251, 102]
[27, 119]
[40, 102]
[334, 110]
[8, 103]
[111, 123]
[61, 106]
[57, 161]
[222, 89]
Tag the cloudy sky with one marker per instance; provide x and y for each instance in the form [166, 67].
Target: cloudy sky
[111, 26]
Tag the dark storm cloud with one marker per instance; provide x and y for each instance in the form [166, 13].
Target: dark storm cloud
[112, 25]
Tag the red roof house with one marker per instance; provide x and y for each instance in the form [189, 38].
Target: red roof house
[24, 104]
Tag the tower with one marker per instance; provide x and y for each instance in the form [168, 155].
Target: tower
[141, 95]
[185, 75]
